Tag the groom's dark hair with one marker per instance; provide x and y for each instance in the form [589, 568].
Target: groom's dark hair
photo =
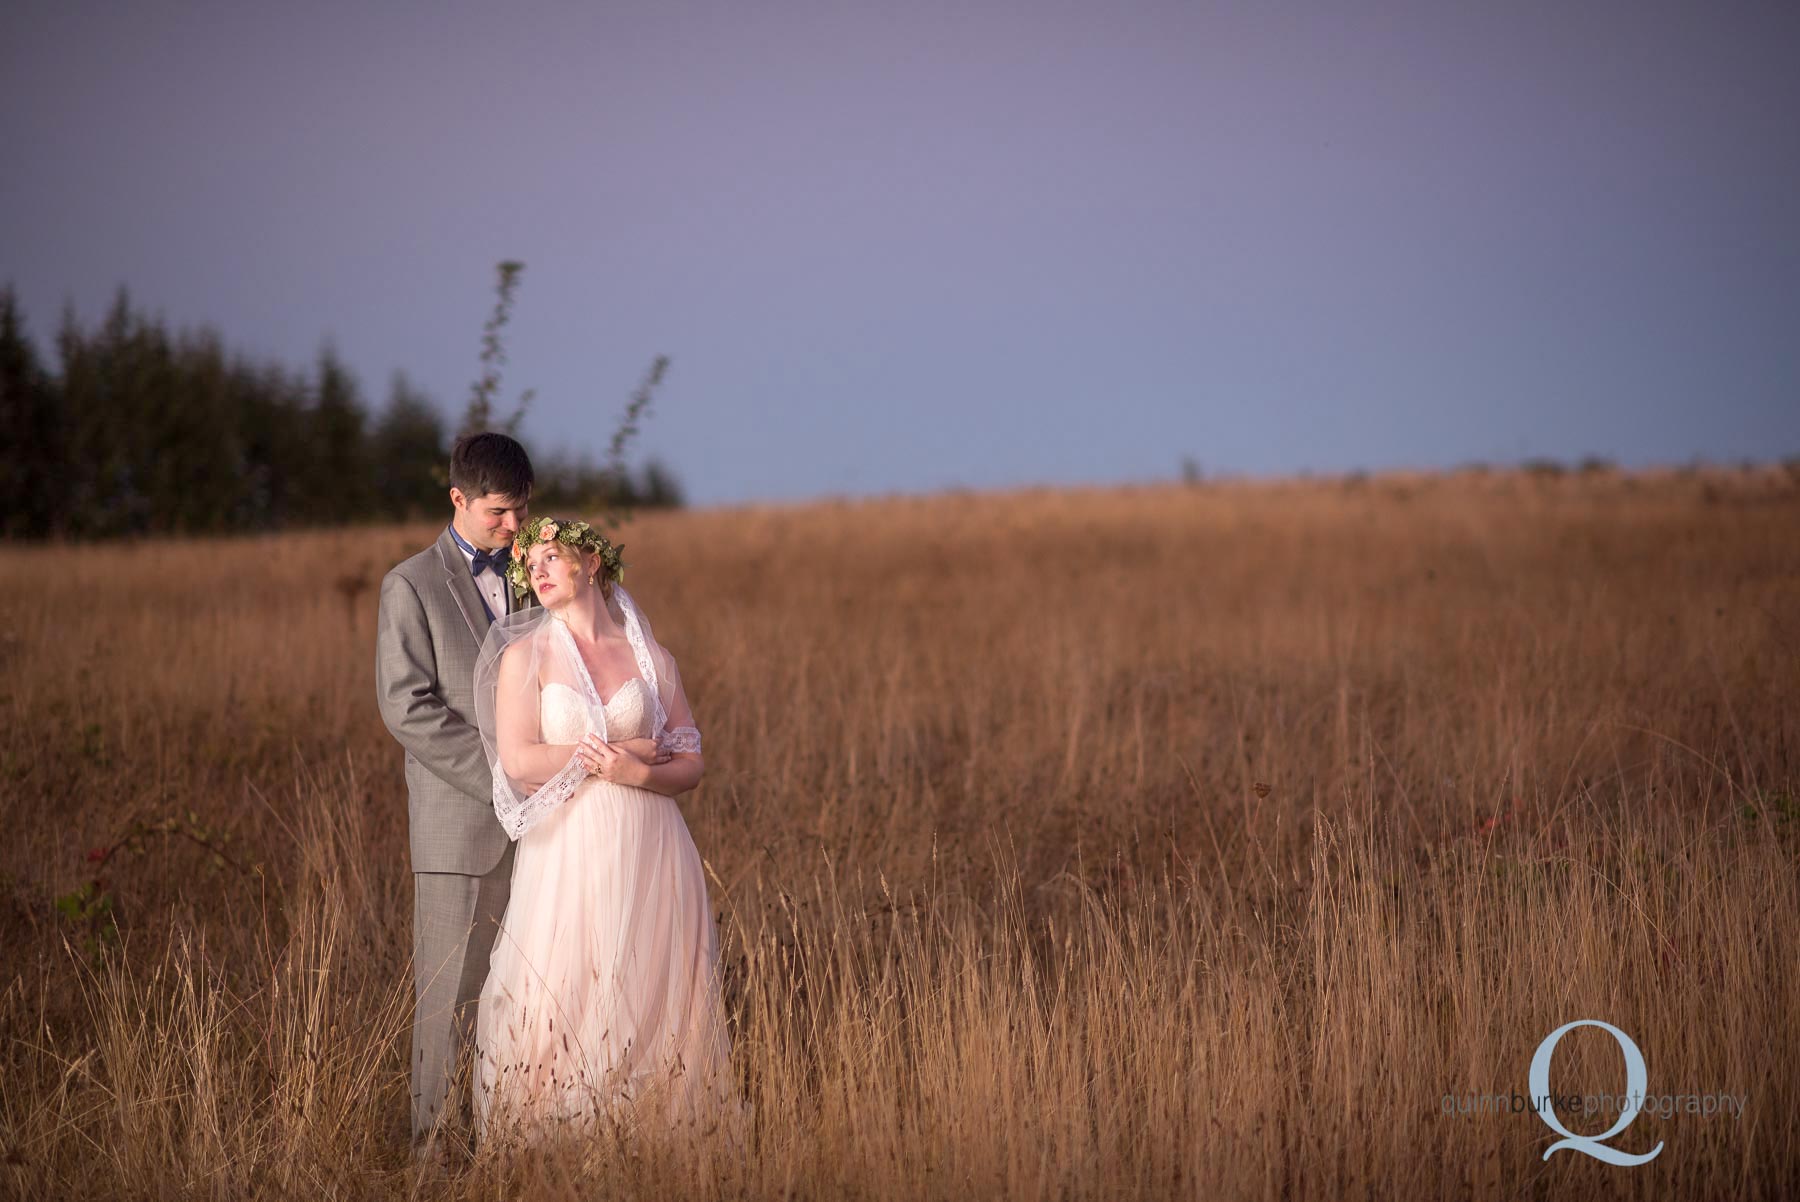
[490, 463]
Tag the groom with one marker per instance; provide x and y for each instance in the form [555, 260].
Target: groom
[435, 610]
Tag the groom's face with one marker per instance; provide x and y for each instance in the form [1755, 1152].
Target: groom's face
[489, 522]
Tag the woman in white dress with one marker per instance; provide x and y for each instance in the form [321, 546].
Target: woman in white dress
[602, 998]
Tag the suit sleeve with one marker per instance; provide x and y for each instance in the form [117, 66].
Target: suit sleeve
[406, 688]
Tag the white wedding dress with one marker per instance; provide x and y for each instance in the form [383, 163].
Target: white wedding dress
[602, 998]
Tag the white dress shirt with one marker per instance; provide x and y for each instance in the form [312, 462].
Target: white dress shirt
[493, 587]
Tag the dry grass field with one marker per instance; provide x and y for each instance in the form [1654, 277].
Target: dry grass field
[1180, 842]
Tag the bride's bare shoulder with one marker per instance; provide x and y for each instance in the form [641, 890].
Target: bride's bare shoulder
[517, 660]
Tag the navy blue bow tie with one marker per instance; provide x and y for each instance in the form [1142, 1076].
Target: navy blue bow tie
[494, 561]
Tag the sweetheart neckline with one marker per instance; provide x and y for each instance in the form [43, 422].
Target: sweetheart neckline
[557, 684]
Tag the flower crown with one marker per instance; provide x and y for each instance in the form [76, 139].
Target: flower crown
[578, 535]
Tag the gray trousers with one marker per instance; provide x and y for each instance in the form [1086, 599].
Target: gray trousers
[455, 920]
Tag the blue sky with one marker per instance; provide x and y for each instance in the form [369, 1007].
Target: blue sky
[907, 247]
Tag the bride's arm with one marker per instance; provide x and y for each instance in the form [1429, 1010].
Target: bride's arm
[524, 755]
[680, 744]
[645, 749]
[680, 772]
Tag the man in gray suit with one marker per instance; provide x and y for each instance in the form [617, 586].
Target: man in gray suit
[435, 610]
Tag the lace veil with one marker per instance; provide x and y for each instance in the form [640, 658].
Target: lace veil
[531, 651]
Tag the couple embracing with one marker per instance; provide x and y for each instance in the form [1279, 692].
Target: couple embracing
[560, 916]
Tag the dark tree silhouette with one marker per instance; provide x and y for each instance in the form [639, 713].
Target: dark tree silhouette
[408, 444]
[140, 431]
[32, 418]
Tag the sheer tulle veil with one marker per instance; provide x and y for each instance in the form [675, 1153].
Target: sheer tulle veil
[528, 652]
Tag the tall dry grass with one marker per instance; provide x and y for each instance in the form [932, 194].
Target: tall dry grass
[1168, 842]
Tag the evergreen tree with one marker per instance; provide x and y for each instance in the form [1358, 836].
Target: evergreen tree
[273, 420]
[660, 489]
[341, 487]
[31, 414]
[196, 477]
[409, 447]
[103, 390]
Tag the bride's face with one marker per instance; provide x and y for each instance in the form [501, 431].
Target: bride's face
[556, 573]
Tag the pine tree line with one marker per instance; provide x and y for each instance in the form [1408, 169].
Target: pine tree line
[140, 431]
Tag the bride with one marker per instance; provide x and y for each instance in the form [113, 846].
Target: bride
[602, 998]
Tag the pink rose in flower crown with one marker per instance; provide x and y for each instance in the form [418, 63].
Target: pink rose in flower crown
[548, 532]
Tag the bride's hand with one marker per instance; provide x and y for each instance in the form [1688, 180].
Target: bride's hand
[611, 761]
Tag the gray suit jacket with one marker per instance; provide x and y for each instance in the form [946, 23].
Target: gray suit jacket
[427, 639]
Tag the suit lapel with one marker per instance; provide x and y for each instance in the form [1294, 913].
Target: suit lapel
[462, 586]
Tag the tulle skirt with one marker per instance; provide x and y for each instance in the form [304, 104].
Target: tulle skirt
[602, 1001]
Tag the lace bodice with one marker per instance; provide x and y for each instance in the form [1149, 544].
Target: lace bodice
[564, 712]
[564, 715]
